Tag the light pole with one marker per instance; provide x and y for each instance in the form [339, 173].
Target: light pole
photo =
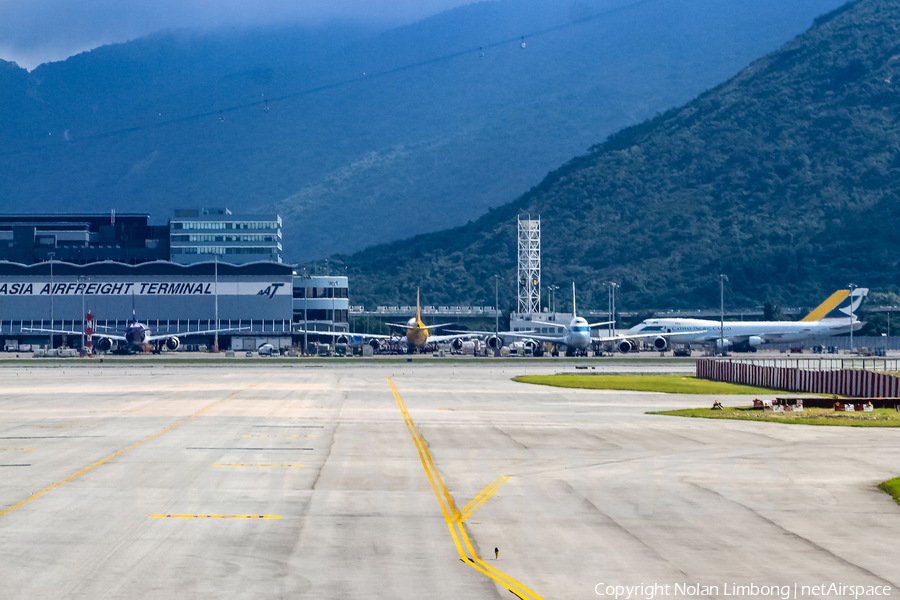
[305, 312]
[553, 289]
[82, 281]
[609, 310]
[612, 316]
[333, 285]
[51, 255]
[497, 303]
[216, 287]
[722, 280]
[852, 287]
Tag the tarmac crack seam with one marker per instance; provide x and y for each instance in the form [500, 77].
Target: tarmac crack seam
[120, 452]
[793, 534]
[448, 508]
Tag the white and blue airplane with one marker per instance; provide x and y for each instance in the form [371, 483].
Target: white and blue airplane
[835, 316]
[575, 338]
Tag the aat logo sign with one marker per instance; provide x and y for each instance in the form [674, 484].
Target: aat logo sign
[270, 291]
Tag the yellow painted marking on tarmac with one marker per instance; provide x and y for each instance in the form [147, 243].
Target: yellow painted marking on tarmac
[455, 522]
[250, 465]
[487, 493]
[97, 464]
[215, 516]
[14, 450]
[263, 435]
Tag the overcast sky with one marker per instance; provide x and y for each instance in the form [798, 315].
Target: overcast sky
[37, 31]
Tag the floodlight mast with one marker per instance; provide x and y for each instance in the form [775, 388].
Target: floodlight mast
[722, 280]
[216, 343]
[612, 316]
[497, 303]
[51, 255]
[852, 287]
[529, 265]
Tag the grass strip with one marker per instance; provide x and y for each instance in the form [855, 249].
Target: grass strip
[880, 417]
[892, 487]
[668, 384]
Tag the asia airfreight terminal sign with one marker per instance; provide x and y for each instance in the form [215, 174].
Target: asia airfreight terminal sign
[143, 288]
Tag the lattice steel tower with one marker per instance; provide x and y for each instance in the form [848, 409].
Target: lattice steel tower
[529, 265]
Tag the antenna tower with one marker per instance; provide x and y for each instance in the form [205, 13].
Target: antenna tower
[529, 265]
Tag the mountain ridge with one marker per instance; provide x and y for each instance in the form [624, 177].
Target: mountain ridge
[440, 142]
[783, 177]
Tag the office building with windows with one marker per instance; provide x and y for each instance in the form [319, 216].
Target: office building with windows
[82, 238]
[321, 303]
[201, 234]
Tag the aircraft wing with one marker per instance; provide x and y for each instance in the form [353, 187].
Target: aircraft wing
[592, 325]
[655, 334]
[370, 336]
[554, 339]
[769, 335]
[406, 325]
[164, 336]
[440, 325]
[111, 336]
[447, 338]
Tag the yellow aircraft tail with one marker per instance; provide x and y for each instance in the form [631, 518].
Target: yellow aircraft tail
[838, 305]
[418, 310]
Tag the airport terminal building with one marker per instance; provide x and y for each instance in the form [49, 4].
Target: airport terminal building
[207, 266]
[251, 299]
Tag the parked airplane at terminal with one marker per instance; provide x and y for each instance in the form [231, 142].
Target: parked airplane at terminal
[835, 316]
[415, 336]
[575, 339]
[136, 337]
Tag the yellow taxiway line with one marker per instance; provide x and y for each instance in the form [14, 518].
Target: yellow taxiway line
[250, 465]
[97, 464]
[453, 516]
[291, 436]
[465, 513]
[215, 516]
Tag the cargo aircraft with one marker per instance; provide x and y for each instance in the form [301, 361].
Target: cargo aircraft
[416, 333]
[137, 337]
[576, 336]
[835, 316]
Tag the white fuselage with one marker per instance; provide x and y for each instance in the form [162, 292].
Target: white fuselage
[707, 330]
[577, 334]
[137, 333]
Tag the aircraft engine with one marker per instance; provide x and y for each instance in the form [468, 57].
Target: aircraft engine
[493, 342]
[173, 343]
[755, 340]
[625, 346]
[375, 344]
[465, 347]
[342, 339]
[726, 342]
[660, 343]
[103, 344]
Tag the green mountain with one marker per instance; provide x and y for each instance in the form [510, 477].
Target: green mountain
[370, 136]
[785, 178]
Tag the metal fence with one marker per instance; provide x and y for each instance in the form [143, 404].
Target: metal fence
[878, 365]
[843, 377]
